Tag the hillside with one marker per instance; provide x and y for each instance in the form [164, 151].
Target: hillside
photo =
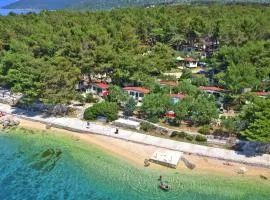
[6, 2]
[105, 4]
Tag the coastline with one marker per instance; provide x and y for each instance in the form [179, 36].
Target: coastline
[135, 154]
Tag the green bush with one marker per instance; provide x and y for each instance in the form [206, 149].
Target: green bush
[205, 130]
[104, 109]
[89, 98]
[200, 138]
[154, 119]
[182, 134]
[189, 137]
[146, 126]
[174, 133]
[80, 98]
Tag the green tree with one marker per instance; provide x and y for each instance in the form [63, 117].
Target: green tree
[186, 87]
[155, 105]
[116, 94]
[204, 110]
[257, 119]
[103, 109]
[130, 107]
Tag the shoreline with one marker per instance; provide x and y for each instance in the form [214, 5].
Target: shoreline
[79, 126]
[135, 154]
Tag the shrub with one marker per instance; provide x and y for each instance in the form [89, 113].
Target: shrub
[89, 98]
[174, 133]
[200, 138]
[104, 109]
[205, 130]
[182, 134]
[154, 119]
[146, 126]
[189, 137]
[80, 98]
[130, 107]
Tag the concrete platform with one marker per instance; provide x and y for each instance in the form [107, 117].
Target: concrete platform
[166, 157]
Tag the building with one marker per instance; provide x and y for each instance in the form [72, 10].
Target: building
[176, 97]
[191, 63]
[136, 92]
[187, 62]
[98, 88]
[216, 91]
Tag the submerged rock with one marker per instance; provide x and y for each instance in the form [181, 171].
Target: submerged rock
[46, 160]
[188, 164]
[242, 170]
[263, 177]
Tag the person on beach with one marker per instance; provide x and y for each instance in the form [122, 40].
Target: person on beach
[87, 124]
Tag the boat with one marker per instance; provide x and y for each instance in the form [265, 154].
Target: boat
[164, 186]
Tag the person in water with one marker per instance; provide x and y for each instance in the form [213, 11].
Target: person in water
[87, 124]
[116, 131]
[160, 178]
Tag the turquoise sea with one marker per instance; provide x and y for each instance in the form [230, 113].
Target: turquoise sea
[47, 166]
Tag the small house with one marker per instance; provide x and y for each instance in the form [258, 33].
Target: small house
[175, 98]
[216, 91]
[136, 92]
[191, 63]
[98, 88]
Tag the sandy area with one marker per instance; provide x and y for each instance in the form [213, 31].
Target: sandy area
[136, 153]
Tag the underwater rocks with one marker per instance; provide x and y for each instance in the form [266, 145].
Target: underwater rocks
[188, 164]
[46, 160]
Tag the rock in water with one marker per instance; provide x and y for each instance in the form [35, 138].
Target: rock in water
[46, 160]
[188, 164]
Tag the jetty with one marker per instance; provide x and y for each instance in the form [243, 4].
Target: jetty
[166, 157]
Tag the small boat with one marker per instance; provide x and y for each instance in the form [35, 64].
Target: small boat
[164, 186]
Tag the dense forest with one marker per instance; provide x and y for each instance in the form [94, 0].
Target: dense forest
[109, 4]
[44, 55]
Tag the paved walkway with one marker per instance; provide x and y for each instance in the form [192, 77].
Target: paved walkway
[107, 130]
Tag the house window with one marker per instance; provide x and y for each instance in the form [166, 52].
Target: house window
[131, 93]
[141, 94]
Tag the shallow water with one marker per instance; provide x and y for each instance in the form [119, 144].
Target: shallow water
[49, 166]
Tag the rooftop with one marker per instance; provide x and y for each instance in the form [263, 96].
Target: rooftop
[137, 89]
[216, 89]
[166, 157]
[190, 59]
[170, 83]
[261, 93]
[179, 96]
[100, 85]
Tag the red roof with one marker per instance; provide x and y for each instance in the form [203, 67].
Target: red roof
[170, 114]
[100, 85]
[261, 93]
[179, 96]
[165, 82]
[190, 59]
[137, 89]
[216, 89]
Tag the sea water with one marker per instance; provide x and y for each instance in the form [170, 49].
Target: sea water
[43, 165]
